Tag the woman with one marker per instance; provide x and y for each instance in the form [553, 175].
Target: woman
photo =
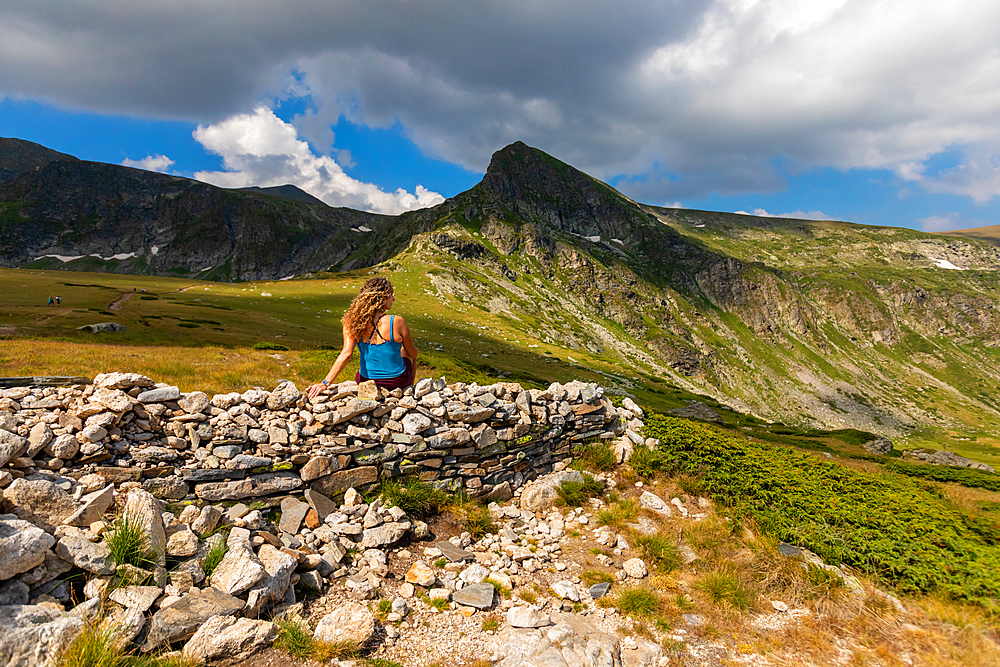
[384, 343]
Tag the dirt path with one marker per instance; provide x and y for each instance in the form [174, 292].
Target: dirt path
[116, 304]
[185, 289]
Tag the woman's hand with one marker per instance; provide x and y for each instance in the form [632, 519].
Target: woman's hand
[315, 390]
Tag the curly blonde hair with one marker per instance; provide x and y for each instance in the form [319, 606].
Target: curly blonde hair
[366, 308]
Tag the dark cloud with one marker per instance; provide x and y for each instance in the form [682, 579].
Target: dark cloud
[683, 98]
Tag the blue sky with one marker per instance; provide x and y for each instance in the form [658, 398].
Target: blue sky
[881, 112]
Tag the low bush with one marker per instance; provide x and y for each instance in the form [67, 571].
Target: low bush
[637, 601]
[970, 477]
[890, 527]
[647, 462]
[269, 346]
[128, 543]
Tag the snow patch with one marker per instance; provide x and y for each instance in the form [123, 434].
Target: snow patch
[945, 264]
[618, 241]
[700, 226]
[153, 250]
[593, 239]
[73, 258]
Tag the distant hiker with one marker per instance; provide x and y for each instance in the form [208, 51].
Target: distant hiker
[50, 300]
[58, 300]
[384, 343]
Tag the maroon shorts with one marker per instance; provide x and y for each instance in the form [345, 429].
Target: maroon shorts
[398, 382]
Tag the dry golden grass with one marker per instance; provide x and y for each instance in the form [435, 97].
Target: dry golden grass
[208, 369]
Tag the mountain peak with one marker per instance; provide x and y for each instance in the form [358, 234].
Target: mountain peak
[18, 156]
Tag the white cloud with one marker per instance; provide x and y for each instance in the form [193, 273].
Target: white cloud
[160, 163]
[941, 223]
[796, 215]
[261, 149]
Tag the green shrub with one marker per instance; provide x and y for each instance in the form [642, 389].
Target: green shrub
[647, 462]
[726, 585]
[478, 522]
[660, 551]
[269, 346]
[892, 528]
[574, 494]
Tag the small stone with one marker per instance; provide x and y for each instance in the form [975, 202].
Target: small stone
[635, 568]
[567, 590]
[350, 622]
[599, 590]
[421, 574]
[479, 596]
[779, 606]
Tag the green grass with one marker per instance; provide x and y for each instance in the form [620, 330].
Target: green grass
[214, 556]
[573, 494]
[637, 601]
[591, 577]
[618, 514]
[599, 456]
[477, 521]
[900, 531]
[413, 496]
[100, 645]
[128, 543]
[725, 585]
[970, 477]
[295, 637]
[490, 623]
[660, 551]
[647, 462]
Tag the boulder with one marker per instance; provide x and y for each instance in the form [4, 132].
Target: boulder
[350, 622]
[527, 617]
[35, 635]
[41, 502]
[541, 493]
[144, 509]
[239, 571]
[384, 535]
[284, 395]
[139, 598]
[421, 574]
[878, 446]
[180, 620]
[333, 484]
[228, 638]
[479, 596]
[86, 555]
[22, 546]
[93, 506]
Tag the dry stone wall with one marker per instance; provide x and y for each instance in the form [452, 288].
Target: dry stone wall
[259, 444]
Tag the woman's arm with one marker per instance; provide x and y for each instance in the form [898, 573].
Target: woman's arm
[402, 330]
[338, 365]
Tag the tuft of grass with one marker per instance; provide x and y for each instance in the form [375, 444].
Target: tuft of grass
[128, 543]
[438, 603]
[596, 456]
[214, 556]
[101, 645]
[638, 601]
[384, 607]
[528, 595]
[294, 636]
[618, 514]
[504, 591]
[441, 562]
[574, 494]
[491, 623]
[477, 521]
[591, 577]
[660, 551]
[725, 585]
[413, 496]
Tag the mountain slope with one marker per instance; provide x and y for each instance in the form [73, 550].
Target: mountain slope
[814, 323]
[18, 156]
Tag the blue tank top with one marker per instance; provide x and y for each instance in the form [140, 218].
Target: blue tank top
[382, 361]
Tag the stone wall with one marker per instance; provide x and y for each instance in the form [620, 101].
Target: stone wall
[262, 444]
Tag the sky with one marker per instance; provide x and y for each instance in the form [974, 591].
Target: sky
[883, 112]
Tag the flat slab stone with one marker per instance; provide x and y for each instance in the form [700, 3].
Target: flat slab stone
[599, 590]
[139, 598]
[323, 505]
[479, 596]
[180, 620]
[255, 485]
[292, 513]
[786, 549]
[453, 553]
[331, 485]
[159, 395]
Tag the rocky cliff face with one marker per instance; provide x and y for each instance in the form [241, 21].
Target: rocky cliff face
[132, 221]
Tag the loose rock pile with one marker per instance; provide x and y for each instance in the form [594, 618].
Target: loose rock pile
[71, 459]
